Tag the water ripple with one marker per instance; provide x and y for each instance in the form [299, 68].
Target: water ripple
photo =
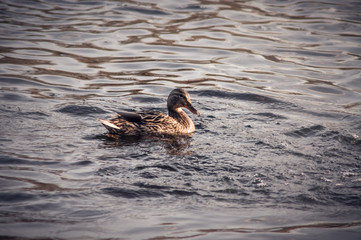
[276, 147]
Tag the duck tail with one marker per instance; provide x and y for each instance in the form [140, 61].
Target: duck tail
[120, 126]
[112, 128]
[108, 124]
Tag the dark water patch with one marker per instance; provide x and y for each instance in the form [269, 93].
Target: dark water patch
[307, 200]
[37, 207]
[230, 168]
[131, 193]
[269, 101]
[146, 11]
[237, 96]
[16, 197]
[309, 53]
[86, 214]
[173, 144]
[78, 110]
[334, 152]
[193, 7]
[148, 175]
[82, 163]
[334, 195]
[145, 99]
[271, 115]
[13, 97]
[9, 160]
[13, 81]
[16, 112]
[12, 60]
[232, 191]
[303, 154]
[330, 134]
[113, 141]
[333, 230]
[328, 114]
[20, 112]
[109, 171]
[306, 131]
[151, 186]
[326, 90]
[95, 137]
[6, 237]
[347, 199]
[181, 193]
[35, 114]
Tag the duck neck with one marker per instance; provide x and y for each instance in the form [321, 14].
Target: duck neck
[180, 116]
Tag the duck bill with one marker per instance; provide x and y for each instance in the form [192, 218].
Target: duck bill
[192, 109]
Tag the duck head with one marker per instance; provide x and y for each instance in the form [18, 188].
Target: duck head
[179, 98]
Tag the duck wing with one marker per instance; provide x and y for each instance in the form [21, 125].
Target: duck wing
[154, 117]
[141, 123]
[130, 116]
[157, 122]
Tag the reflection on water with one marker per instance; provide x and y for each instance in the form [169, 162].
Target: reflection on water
[276, 150]
[109, 49]
[174, 145]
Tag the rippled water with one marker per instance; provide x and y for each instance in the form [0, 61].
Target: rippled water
[277, 148]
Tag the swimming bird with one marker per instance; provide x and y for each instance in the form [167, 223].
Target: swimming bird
[176, 122]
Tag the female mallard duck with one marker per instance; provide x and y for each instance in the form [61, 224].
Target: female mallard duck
[150, 122]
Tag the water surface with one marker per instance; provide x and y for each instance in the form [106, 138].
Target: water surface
[276, 152]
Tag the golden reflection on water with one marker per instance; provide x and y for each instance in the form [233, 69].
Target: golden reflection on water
[249, 46]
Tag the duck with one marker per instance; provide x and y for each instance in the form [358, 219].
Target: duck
[177, 122]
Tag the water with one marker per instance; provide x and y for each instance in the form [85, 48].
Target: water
[276, 152]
